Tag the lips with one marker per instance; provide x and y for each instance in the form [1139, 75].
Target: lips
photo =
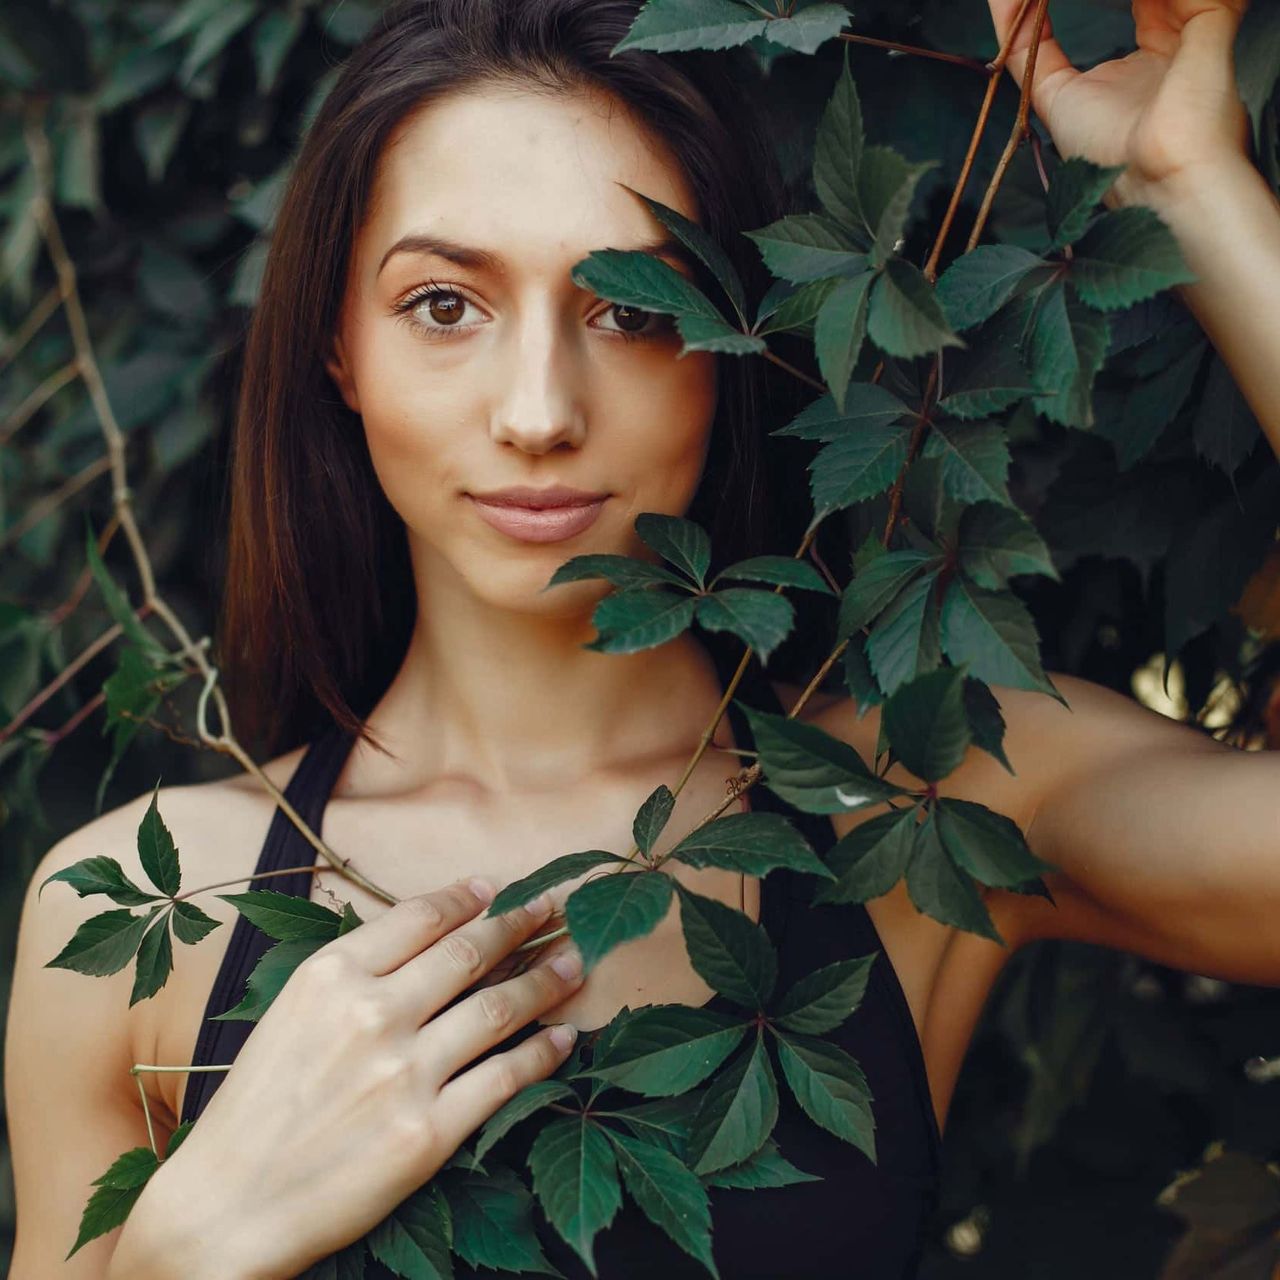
[543, 523]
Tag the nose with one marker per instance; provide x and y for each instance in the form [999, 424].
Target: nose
[537, 406]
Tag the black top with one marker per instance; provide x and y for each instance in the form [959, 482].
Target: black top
[862, 1220]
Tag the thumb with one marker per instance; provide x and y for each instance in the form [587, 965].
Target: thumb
[1051, 61]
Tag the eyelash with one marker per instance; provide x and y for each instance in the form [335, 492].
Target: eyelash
[405, 308]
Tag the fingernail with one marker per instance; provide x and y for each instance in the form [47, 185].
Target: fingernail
[540, 905]
[563, 1034]
[485, 890]
[567, 963]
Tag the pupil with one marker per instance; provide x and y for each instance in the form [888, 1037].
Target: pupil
[631, 318]
[445, 308]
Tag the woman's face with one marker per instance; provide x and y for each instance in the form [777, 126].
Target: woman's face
[511, 374]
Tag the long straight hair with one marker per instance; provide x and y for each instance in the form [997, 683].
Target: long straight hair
[319, 599]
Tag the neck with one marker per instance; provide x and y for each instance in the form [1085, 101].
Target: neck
[508, 702]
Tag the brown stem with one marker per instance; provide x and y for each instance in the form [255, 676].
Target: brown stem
[258, 875]
[913, 449]
[791, 369]
[996, 70]
[1021, 125]
[916, 51]
[36, 400]
[30, 326]
[81, 660]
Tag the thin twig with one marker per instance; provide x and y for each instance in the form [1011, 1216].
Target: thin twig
[36, 400]
[1021, 125]
[916, 51]
[996, 71]
[30, 326]
[51, 502]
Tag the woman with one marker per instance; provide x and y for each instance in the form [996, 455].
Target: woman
[419, 346]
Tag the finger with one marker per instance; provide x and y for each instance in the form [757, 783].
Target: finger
[1205, 54]
[470, 1098]
[1053, 67]
[462, 1033]
[428, 981]
[386, 942]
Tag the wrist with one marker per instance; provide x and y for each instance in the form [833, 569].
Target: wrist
[1192, 195]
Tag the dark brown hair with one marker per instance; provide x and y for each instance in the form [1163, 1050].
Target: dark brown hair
[319, 600]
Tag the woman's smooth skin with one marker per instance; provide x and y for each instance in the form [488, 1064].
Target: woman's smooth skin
[513, 744]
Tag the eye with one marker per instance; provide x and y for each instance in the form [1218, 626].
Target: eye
[435, 311]
[634, 322]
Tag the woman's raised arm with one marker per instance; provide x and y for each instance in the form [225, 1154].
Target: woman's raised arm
[1170, 113]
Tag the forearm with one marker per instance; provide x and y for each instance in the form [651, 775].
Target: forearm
[1227, 222]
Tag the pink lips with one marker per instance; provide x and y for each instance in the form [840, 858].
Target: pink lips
[534, 524]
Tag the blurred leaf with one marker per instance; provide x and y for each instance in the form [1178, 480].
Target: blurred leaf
[273, 36]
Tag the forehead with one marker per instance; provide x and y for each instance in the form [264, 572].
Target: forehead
[533, 176]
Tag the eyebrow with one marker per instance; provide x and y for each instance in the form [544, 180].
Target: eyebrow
[482, 260]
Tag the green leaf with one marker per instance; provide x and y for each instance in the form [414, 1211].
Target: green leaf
[975, 460]
[941, 890]
[782, 571]
[730, 953]
[1127, 255]
[104, 943]
[990, 375]
[767, 1168]
[101, 874]
[866, 405]
[926, 722]
[118, 1191]
[679, 541]
[664, 1121]
[557, 871]
[629, 621]
[285, 916]
[1149, 407]
[637, 279]
[750, 843]
[839, 332]
[986, 844]
[977, 284]
[269, 975]
[993, 633]
[870, 859]
[837, 153]
[787, 306]
[1067, 347]
[985, 720]
[273, 37]
[670, 1195]
[155, 961]
[576, 1182]
[904, 641]
[652, 817]
[156, 850]
[190, 924]
[1075, 188]
[622, 571]
[811, 769]
[350, 919]
[905, 318]
[873, 588]
[856, 467]
[531, 1099]
[997, 543]
[737, 1114]
[604, 913]
[493, 1224]
[413, 1240]
[858, 677]
[807, 246]
[762, 619]
[347, 1264]
[667, 25]
[668, 1049]
[820, 1001]
[700, 243]
[830, 1087]
[886, 184]
[117, 602]
[1224, 429]
[701, 333]
[808, 29]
